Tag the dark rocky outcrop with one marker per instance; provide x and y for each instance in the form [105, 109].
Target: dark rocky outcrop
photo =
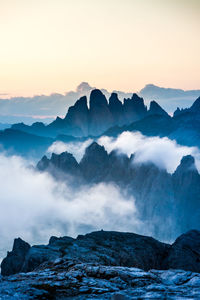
[156, 109]
[76, 121]
[117, 109]
[195, 106]
[134, 109]
[186, 187]
[14, 261]
[94, 163]
[108, 248]
[102, 247]
[100, 115]
[66, 279]
[184, 253]
[61, 166]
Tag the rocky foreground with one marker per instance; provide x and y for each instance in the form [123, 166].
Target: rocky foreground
[103, 265]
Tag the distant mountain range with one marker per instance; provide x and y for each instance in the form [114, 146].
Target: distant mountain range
[83, 119]
[184, 126]
[169, 98]
[159, 195]
[102, 117]
[113, 117]
[46, 108]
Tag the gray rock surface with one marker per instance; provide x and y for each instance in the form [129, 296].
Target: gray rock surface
[184, 253]
[104, 265]
[15, 259]
[109, 248]
[72, 280]
[103, 247]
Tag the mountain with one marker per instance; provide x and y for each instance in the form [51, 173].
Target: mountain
[184, 126]
[83, 120]
[152, 91]
[47, 107]
[100, 115]
[156, 109]
[113, 117]
[103, 265]
[169, 98]
[108, 248]
[173, 197]
[40, 107]
[17, 142]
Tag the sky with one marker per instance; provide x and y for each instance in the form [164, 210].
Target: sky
[51, 46]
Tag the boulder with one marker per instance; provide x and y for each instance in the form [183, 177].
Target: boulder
[14, 260]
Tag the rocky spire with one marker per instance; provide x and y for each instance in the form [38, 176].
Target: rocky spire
[100, 115]
[116, 109]
[156, 109]
[196, 106]
[134, 109]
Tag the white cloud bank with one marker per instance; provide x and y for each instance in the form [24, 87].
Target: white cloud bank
[76, 148]
[34, 207]
[163, 152]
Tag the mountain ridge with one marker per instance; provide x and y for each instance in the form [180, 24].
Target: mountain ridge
[101, 114]
[161, 195]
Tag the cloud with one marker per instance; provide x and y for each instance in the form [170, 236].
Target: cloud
[76, 148]
[34, 206]
[163, 152]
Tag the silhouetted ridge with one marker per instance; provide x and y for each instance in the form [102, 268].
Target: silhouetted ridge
[117, 110]
[15, 258]
[64, 162]
[157, 193]
[100, 115]
[156, 109]
[196, 105]
[97, 98]
[95, 155]
[187, 164]
[82, 121]
[109, 248]
[134, 109]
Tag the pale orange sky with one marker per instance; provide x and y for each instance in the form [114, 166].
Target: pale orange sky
[53, 45]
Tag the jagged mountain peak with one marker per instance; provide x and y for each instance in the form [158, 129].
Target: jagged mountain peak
[20, 245]
[114, 100]
[94, 147]
[43, 163]
[196, 105]
[81, 102]
[177, 112]
[135, 97]
[63, 158]
[187, 160]
[187, 164]
[79, 106]
[97, 98]
[156, 109]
